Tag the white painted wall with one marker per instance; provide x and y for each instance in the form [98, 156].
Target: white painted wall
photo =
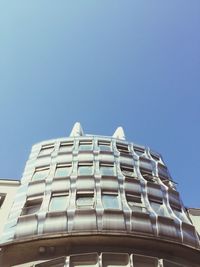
[9, 187]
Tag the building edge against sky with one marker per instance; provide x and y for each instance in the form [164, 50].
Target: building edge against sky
[96, 201]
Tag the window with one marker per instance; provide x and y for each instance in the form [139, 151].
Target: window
[155, 156]
[85, 169]
[63, 170]
[135, 202]
[147, 175]
[85, 200]
[162, 171]
[127, 170]
[2, 198]
[139, 150]
[122, 148]
[40, 173]
[46, 150]
[85, 145]
[66, 147]
[115, 260]
[160, 209]
[32, 206]
[107, 169]
[174, 200]
[182, 216]
[110, 201]
[59, 201]
[104, 146]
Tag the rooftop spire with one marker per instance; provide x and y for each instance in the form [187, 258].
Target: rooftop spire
[119, 133]
[77, 130]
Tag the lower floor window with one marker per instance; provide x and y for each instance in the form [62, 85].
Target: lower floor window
[32, 206]
[84, 201]
[110, 201]
[59, 201]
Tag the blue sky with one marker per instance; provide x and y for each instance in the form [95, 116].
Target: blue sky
[108, 63]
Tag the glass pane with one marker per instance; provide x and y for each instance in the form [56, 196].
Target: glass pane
[31, 208]
[83, 201]
[85, 147]
[85, 170]
[63, 171]
[107, 170]
[181, 216]
[58, 203]
[46, 151]
[105, 147]
[39, 175]
[110, 202]
[66, 148]
[159, 209]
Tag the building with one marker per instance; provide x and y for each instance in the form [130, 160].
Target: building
[8, 190]
[89, 200]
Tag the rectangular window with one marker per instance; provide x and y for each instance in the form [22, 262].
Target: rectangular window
[85, 169]
[154, 192]
[115, 260]
[85, 145]
[174, 200]
[2, 198]
[138, 150]
[46, 150]
[63, 170]
[32, 206]
[104, 146]
[127, 170]
[85, 200]
[162, 171]
[107, 169]
[110, 201]
[135, 203]
[66, 147]
[40, 173]
[160, 209]
[147, 175]
[155, 156]
[122, 148]
[59, 201]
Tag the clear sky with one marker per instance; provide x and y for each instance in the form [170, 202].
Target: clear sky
[104, 63]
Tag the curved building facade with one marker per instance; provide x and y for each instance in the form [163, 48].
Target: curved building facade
[89, 200]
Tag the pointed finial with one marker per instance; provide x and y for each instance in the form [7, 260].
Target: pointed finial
[77, 130]
[119, 133]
